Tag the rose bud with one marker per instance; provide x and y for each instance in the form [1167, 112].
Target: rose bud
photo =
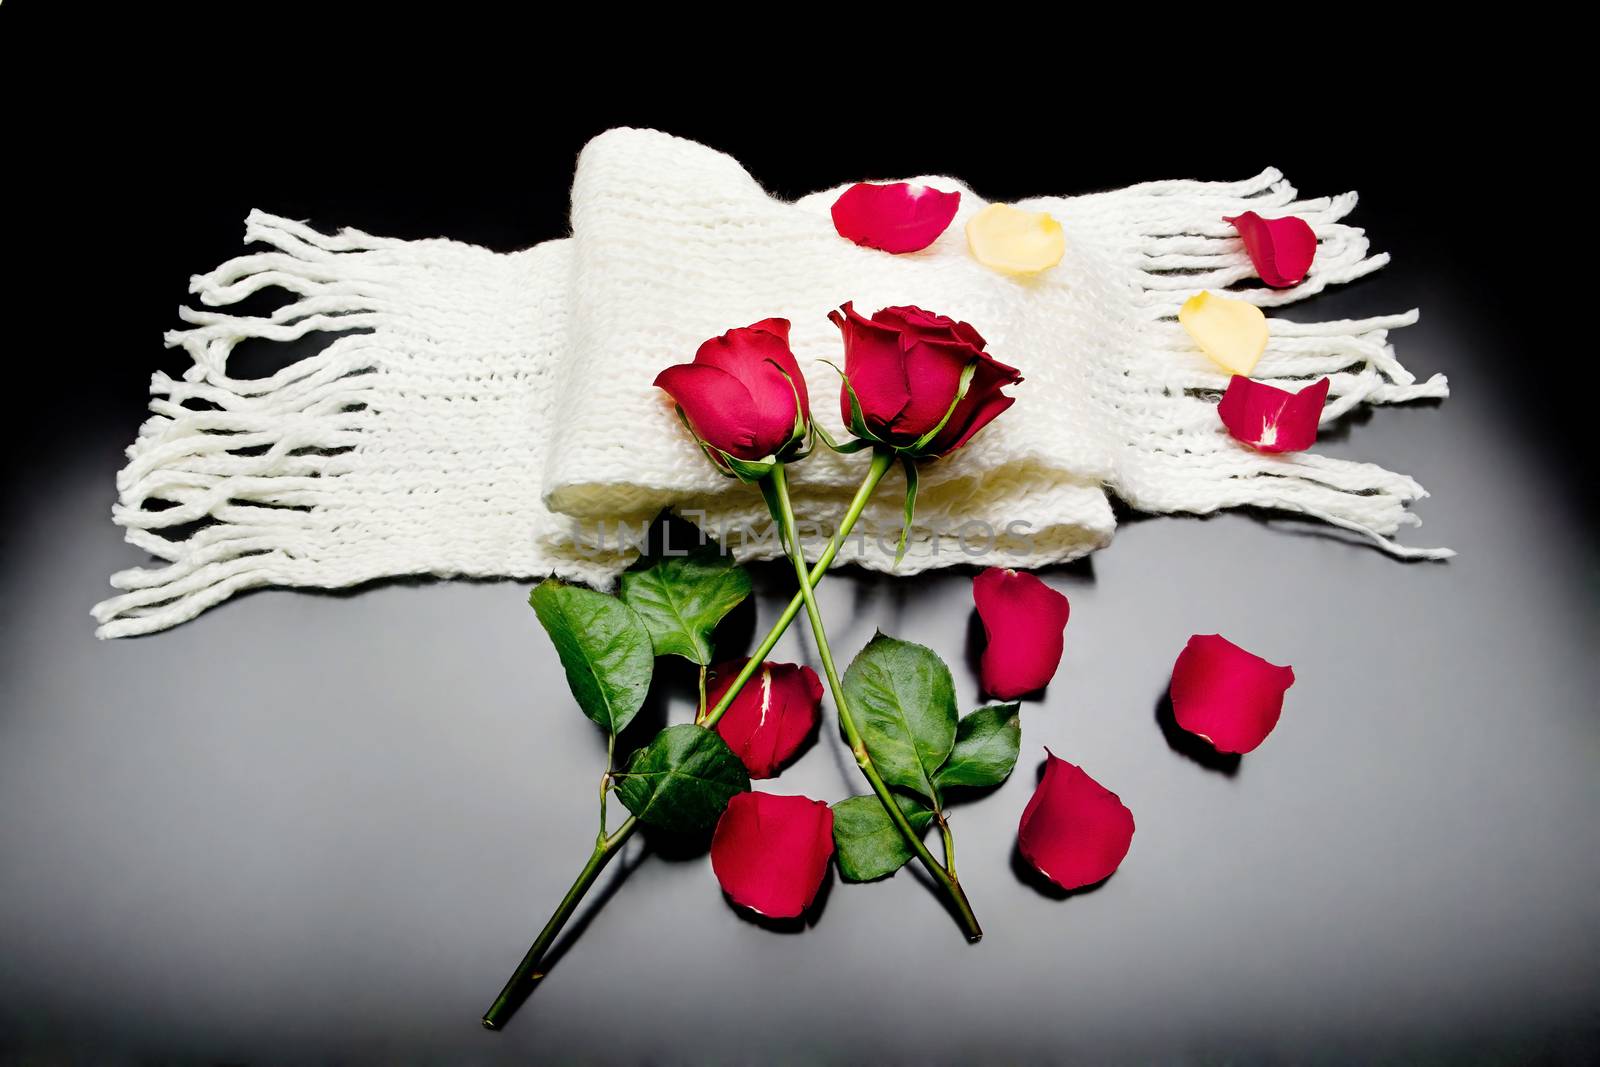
[1226, 695]
[904, 369]
[1023, 619]
[771, 716]
[770, 853]
[1074, 830]
[743, 397]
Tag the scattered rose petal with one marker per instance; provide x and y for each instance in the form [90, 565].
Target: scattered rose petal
[899, 217]
[1280, 249]
[1226, 695]
[1074, 830]
[1232, 332]
[1015, 241]
[1023, 619]
[772, 715]
[771, 853]
[1269, 419]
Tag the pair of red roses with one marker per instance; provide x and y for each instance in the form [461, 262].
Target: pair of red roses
[914, 380]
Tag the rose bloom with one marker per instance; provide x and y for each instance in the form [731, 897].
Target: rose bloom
[744, 393]
[905, 366]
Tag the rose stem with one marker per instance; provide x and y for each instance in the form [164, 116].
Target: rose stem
[527, 976]
[946, 878]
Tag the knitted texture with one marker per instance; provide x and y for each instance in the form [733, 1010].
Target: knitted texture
[481, 414]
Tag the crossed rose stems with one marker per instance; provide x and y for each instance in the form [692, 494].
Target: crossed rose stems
[916, 386]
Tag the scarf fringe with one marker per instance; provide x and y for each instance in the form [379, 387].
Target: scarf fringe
[1183, 459]
[229, 478]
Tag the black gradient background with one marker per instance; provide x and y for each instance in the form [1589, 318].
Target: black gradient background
[314, 828]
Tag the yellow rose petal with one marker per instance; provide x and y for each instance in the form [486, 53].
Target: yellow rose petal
[1232, 332]
[1015, 241]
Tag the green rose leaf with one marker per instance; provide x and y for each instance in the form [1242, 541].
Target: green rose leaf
[866, 841]
[682, 779]
[986, 748]
[681, 599]
[905, 706]
[604, 648]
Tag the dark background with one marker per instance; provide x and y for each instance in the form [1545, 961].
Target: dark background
[323, 827]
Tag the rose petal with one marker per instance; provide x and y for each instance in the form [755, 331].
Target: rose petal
[759, 357]
[928, 325]
[983, 402]
[1280, 249]
[1075, 831]
[1269, 419]
[874, 361]
[771, 717]
[898, 217]
[771, 852]
[783, 356]
[1227, 695]
[1024, 620]
[1232, 332]
[933, 374]
[1015, 241]
[717, 405]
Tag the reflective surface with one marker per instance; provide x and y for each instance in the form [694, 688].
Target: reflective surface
[310, 827]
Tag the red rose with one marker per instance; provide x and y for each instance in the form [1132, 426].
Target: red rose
[905, 367]
[1074, 830]
[772, 715]
[1023, 619]
[744, 394]
[771, 853]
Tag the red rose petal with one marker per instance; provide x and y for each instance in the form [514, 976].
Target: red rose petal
[771, 853]
[934, 369]
[899, 217]
[1269, 419]
[771, 717]
[717, 405]
[1227, 695]
[982, 404]
[1074, 830]
[759, 357]
[874, 362]
[1280, 249]
[1024, 620]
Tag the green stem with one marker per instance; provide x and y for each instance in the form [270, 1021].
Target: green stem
[700, 710]
[949, 843]
[527, 975]
[946, 878]
[605, 785]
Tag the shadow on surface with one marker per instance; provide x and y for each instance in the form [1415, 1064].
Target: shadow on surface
[1030, 876]
[1196, 748]
[797, 925]
[580, 922]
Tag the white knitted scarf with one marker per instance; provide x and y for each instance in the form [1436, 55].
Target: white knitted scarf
[483, 414]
